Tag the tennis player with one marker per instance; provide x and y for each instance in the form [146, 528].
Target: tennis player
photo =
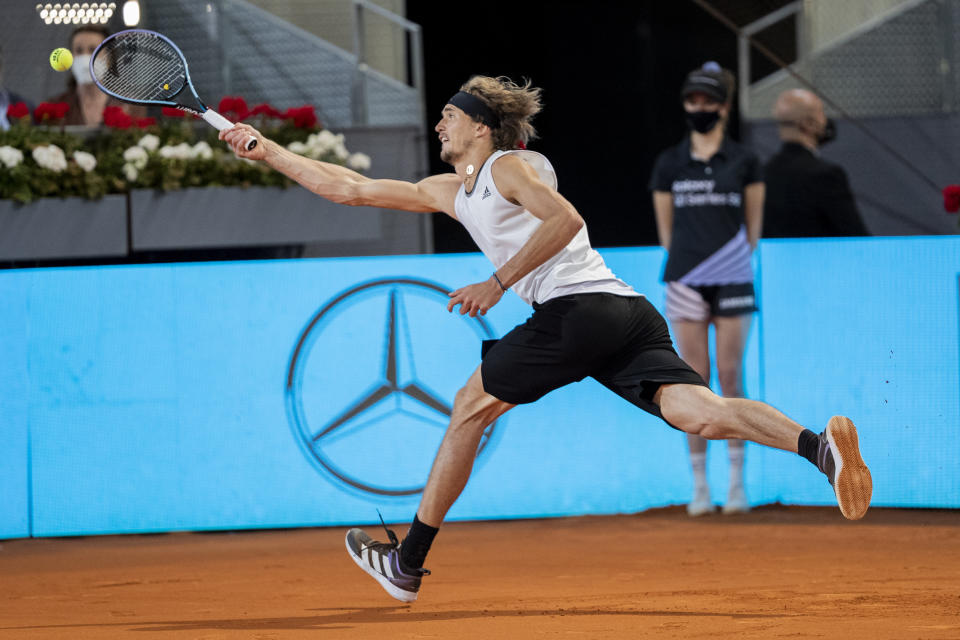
[586, 321]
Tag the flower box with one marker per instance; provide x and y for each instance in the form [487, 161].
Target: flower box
[52, 228]
[238, 217]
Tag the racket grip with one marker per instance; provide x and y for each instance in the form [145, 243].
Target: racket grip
[221, 123]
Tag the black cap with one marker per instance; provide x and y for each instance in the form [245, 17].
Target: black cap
[707, 80]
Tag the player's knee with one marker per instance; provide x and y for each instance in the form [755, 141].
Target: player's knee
[713, 431]
[702, 426]
[699, 412]
[462, 397]
[716, 419]
[473, 408]
[684, 418]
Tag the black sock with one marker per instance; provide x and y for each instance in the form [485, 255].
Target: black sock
[413, 550]
[807, 446]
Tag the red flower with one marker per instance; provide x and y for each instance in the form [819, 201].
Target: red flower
[51, 111]
[18, 110]
[266, 110]
[521, 144]
[143, 123]
[173, 112]
[117, 118]
[235, 106]
[232, 103]
[303, 117]
[951, 198]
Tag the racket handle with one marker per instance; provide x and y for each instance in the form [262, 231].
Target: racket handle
[222, 123]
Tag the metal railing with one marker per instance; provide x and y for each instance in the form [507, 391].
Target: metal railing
[751, 30]
[902, 60]
[414, 36]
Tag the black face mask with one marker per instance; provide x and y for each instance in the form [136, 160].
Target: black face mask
[702, 121]
[828, 134]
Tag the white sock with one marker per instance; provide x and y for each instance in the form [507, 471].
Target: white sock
[698, 463]
[735, 452]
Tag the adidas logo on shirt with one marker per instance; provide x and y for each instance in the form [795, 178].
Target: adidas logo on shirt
[486, 193]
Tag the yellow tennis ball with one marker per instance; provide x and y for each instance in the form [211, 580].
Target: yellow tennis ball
[61, 59]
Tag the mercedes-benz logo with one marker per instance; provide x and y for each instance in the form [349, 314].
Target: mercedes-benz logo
[382, 429]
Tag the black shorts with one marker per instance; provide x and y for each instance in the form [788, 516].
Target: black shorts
[621, 341]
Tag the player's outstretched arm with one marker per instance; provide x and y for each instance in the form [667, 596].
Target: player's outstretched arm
[342, 185]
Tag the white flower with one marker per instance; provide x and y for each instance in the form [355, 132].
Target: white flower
[340, 150]
[324, 140]
[50, 157]
[149, 142]
[87, 161]
[359, 161]
[10, 157]
[298, 147]
[131, 172]
[137, 156]
[182, 151]
[202, 150]
[321, 144]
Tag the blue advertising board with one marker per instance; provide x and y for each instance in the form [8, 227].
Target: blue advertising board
[314, 392]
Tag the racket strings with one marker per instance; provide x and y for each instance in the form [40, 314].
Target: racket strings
[140, 66]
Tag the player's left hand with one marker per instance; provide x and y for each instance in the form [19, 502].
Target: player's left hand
[476, 298]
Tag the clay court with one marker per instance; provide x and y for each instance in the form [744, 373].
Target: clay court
[779, 572]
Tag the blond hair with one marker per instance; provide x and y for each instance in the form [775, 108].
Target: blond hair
[514, 105]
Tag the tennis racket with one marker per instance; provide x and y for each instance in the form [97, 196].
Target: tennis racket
[145, 67]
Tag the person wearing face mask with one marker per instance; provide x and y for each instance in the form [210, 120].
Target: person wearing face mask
[85, 100]
[708, 200]
[807, 197]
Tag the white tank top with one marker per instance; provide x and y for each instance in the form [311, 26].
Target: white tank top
[500, 228]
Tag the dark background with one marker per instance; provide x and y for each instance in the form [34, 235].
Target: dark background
[611, 75]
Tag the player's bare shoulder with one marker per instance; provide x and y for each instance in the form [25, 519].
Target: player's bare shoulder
[510, 164]
[441, 189]
[520, 170]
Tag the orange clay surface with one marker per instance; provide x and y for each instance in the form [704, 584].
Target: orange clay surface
[775, 573]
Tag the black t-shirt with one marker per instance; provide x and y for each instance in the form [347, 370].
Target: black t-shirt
[808, 197]
[708, 243]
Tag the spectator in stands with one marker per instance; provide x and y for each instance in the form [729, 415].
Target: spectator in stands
[807, 196]
[85, 100]
[708, 200]
[8, 99]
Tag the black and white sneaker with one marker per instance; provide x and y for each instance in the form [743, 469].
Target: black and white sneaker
[382, 561]
[839, 457]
